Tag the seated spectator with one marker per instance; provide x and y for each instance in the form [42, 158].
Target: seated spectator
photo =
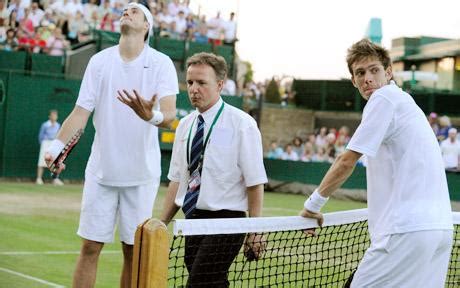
[107, 23]
[345, 131]
[12, 20]
[3, 12]
[23, 40]
[331, 154]
[37, 44]
[48, 19]
[433, 120]
[56, 44]
[36, 14]
[450, 148]
[229, 87]
[275, 151]
[444, 126]
[340, 144]
[180, 25]
[11, 42]
[297, 145]
[321, 137]
[308, 152]
[320, 155]
[311, 138]
[89, 8]
[200, 36]
[289, 153]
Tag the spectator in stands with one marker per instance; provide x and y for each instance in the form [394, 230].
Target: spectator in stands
[345, 132]
[173, 8]
[433, 120]
[289, 153]
[229, 87]
[229, 28]
[340, 144]
[14, 6]
[48, 132]
[215, 29]
[10, 43]
[297, 145]
[320, 155]
[56, 44]
[184, 6]
[104, 9]
[26, 25]
[4, 14]
[321, 137]
[89, 8]
[275, 152]
[180, 25]
[108, 23]
[12, 20]
[36, 14]
[48, 18]
[165, 18]
[37, 44]
[201, 36]
[450, 148]
[444, 126]
[308, 152]
[311, 138]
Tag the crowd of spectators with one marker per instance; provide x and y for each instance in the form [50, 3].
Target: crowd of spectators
[327, 143]
[52, 26]
[322, 146]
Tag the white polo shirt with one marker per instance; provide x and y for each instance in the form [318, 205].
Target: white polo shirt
[406, 183]
[125, 150]
[233, 159]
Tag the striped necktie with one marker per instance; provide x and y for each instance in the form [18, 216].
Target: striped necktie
[195, 155]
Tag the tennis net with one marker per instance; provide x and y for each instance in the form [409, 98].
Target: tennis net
[291, 258]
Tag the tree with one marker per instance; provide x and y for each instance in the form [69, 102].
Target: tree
[272, 93]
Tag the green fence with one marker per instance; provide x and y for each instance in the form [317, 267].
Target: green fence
[313, 173]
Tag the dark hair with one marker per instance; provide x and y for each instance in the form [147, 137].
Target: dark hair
[216, 62]
[365, 49]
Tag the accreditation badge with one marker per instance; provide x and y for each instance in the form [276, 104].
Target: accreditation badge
[194, 181]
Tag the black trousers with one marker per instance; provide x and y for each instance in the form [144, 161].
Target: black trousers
[208, 257]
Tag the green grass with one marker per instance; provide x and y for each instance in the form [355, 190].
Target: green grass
[45, 218]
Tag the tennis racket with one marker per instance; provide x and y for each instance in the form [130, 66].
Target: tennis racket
[54, 167]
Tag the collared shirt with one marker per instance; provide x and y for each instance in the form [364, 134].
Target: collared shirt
[406, 182]
[48, 131]
[233, 159]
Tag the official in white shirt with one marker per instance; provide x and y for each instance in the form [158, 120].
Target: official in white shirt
[229, 177]
[410, 217]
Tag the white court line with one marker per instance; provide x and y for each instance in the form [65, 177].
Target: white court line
[31, 278]
[15, 253]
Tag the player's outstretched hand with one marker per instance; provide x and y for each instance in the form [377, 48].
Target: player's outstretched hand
[254, 246]
[308, 214]
[49, 160]
[142, 107]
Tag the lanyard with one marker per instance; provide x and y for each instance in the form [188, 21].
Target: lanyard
[207, 136]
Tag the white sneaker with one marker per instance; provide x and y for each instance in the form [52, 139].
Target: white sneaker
[58, 182]
[39, 181]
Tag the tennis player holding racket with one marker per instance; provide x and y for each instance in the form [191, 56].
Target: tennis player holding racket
[131, 88]
[410, 218]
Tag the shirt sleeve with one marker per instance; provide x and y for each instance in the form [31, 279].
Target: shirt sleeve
[371, 131]
[175, 164]
[41, 134]
[87, 96]
[251, 156]
[167, 81]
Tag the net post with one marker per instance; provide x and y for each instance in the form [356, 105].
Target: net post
[150, 255]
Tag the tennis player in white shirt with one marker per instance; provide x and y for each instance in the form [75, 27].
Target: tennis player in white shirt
[410, 218]
[131, 88]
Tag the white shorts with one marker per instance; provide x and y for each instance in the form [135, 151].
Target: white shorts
[41, 156]
[103, 205]
[413, 259]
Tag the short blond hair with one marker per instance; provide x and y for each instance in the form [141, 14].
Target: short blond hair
[217, 63]
[364, 49]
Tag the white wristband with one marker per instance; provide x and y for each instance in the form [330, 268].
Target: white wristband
[157, 118]
[315, 202]
[55, 148]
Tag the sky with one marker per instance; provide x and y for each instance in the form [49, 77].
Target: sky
[308, 39]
